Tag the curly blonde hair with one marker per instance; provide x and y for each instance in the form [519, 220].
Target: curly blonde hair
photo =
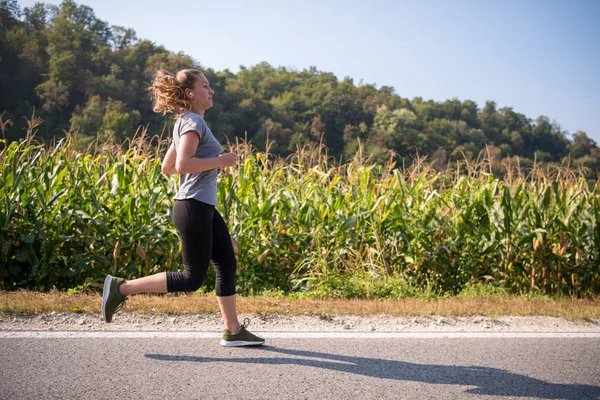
[168, 90]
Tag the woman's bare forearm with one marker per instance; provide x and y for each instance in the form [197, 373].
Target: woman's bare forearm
[195, 164]
[168, 164]
[169, 170]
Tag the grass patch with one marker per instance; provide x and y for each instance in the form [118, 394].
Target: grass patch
[31, 303]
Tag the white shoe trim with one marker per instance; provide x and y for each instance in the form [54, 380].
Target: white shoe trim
[239, 343]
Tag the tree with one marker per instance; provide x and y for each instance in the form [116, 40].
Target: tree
[582, 145]
[397, 130]
[549, 141]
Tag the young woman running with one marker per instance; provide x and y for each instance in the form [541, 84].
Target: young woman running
[196, 156]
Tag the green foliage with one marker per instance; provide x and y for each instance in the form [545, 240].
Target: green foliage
[482, 290]
[360, 286]
[302, 225]
[66, 217]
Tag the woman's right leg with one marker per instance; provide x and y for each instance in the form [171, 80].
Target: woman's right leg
[193, 220]
[152, 283]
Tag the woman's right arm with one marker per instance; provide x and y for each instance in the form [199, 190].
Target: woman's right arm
[188, 163]
[168, 164]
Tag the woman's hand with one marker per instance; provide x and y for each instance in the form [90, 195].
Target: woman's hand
[228, 159]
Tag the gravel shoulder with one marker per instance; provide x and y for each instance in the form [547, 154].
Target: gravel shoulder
[57, 321]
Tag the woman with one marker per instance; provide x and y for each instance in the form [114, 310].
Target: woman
[196, 156]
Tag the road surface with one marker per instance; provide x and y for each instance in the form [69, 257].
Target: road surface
[163, 365]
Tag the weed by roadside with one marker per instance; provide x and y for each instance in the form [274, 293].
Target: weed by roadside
[29, 303]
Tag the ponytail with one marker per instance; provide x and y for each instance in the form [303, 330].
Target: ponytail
[168, 91]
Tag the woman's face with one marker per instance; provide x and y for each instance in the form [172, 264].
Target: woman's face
[201, 94]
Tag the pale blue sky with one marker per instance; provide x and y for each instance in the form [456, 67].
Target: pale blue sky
[541, 57]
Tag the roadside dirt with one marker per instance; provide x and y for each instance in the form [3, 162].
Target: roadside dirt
[56, 321]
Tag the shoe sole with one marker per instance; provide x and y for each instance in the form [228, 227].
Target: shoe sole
[239, 343]
[105, 291]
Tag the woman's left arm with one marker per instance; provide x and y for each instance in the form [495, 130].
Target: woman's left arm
[168, 164]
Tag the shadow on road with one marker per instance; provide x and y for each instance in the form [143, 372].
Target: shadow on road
[487, 381]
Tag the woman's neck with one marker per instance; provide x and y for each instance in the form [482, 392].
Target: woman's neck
[198, 110]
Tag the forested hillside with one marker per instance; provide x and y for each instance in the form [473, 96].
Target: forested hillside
[85, 76]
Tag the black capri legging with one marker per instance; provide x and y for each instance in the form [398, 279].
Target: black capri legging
[204, 237]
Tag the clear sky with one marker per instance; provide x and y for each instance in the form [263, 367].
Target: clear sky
[541, 57]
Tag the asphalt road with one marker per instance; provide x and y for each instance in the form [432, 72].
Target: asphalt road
[300, 368]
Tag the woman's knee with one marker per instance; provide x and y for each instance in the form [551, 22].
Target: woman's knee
[193, 282]
[184, 281]
[226, 267]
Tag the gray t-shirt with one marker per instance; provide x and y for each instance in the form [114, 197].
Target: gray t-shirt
[201, 186]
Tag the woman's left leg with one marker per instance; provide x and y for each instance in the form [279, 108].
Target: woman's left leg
[225, 264]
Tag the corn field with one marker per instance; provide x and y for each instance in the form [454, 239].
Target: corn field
[301, 225]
